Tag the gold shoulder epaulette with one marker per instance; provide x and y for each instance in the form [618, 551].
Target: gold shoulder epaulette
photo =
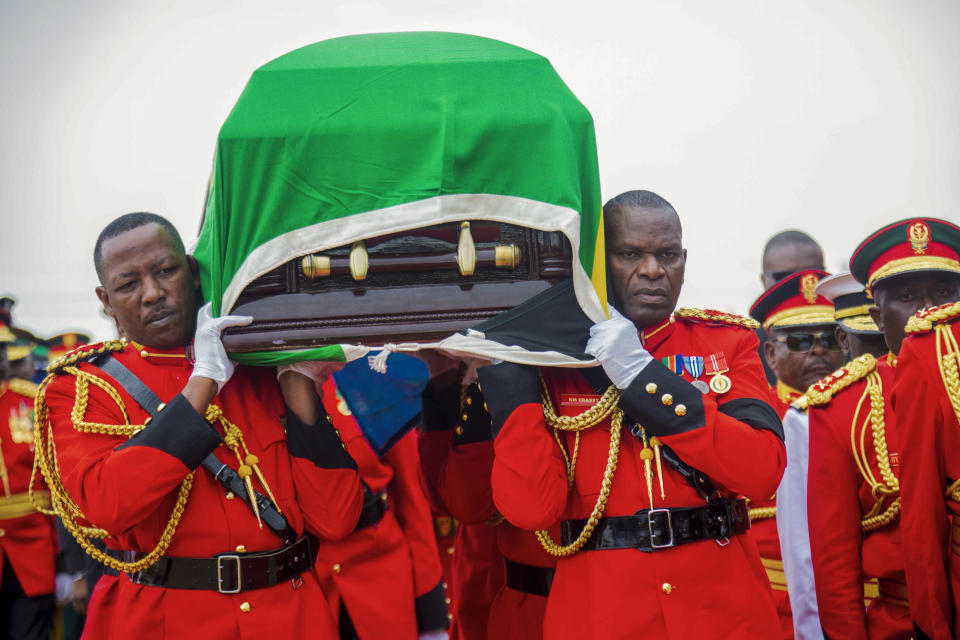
[22, 387]
[712, 316]
[822, 391]
[83, 353]
[926, 319]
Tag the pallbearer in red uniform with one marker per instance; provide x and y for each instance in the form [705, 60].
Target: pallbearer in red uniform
[28, 540]
[857, 334]
[801, 349]
[452, 447]
[688, 407]
[132, 422]
[855, 437]
[518, 607]
[386, 573]
[926, 398]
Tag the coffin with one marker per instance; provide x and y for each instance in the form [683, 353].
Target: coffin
[392, 188]
[419, 286]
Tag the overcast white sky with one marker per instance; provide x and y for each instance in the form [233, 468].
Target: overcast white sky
[749, 116]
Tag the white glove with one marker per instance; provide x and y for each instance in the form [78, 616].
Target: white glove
[210, 358]
[64, 588]
[316, 370]
[439, 634]
[616, 344]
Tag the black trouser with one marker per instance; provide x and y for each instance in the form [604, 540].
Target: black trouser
[23, 617]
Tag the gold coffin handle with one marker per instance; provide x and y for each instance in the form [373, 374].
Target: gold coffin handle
[359, 260]
[506, 256]
[466, 251]
[316, 266]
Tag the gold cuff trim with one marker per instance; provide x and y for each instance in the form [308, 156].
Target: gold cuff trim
[870, 589]
[916, 263]
[19, 505]
[774, 569]
[808, 315]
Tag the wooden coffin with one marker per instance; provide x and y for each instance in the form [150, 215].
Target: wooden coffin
[417, 286]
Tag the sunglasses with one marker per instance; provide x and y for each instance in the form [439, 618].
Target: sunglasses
[803, 342]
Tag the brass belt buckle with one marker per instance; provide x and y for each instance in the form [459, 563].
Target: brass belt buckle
[220, 565]
[669, 526]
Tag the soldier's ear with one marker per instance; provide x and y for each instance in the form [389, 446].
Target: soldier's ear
[195, 270]
[769, 354]
[843, 339]
[104, 299]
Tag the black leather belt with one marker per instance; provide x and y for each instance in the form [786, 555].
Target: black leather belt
[230, 572]
[527, 578]
[374, 506]
[655, 529]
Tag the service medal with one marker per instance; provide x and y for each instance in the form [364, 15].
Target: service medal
[720, 384]
[701, 386]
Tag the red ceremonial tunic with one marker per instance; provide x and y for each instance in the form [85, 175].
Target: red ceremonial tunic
[478, 572]
[930, 465]
[844, 556]
[514, 614]
[128, 487]
[702, 589]
[28, 540]
[380, 571]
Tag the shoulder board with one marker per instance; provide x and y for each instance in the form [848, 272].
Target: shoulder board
[926, 319]
[22, 387]
[822, 391]
[83, 353]
[711, 316]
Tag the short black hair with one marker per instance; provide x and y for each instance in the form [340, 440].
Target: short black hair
[128, 222]
[639, 199]
[791, 237]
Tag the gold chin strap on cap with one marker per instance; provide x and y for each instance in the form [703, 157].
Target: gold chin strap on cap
[606, 406]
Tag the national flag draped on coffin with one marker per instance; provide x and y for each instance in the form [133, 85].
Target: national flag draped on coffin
[367, 135]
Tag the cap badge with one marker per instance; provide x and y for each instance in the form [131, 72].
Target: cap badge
[808, 287]
[919, 235]
[69, 340]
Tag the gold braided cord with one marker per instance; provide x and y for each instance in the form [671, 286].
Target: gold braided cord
[882, 519]
[719, 317]
[925, 319]
[45, 459]
[822, 391]
[84, 353]
[607, 405]
[948, 360]
[762, 513]
[554, 549]
[889, 485]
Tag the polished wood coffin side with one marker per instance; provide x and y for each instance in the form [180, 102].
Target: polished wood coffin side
[412, 289]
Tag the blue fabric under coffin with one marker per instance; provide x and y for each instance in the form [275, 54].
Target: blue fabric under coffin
[385, 405]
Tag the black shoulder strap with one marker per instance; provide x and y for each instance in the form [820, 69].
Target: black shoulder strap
[224, 474]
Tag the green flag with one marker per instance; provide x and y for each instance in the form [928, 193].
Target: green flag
[367, 135]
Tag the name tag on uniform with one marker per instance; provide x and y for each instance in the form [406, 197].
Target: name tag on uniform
[578, 399]
[894, 459]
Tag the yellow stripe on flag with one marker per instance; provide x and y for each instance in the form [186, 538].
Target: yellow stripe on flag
[598, 276]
